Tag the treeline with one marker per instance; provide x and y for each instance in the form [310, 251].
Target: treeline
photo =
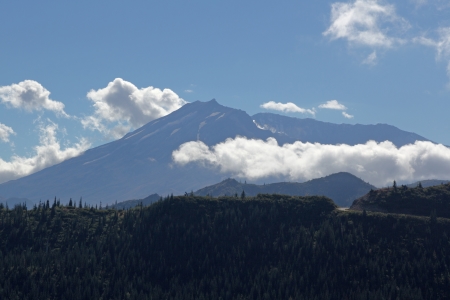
[267, 247]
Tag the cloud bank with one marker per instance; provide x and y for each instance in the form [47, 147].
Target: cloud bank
[30, 95]
[47, 153]
[286, 107]
[5, 132]
[366, 23]
[377, 163]
[125, 106]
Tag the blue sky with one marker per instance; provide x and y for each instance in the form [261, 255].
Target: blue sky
[382, 61]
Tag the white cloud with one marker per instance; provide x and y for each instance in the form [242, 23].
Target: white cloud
[30, 95]
[371, 59]
[366, 23]
[123, 103]
[441, 44]
[5, 132]
[188, 91]
[333, 104]
[346, 115]
[47, 153]
[286, 107]
[377, 163]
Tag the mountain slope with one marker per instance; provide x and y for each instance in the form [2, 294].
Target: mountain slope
[140, 163]
[313, 131]
[342, 188]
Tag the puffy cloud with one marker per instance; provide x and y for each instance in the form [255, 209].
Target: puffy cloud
[333, 104]
[30, 95]
[363, 23]
[286, 107]
[47, 153]
[5, 132]
[346, 115]
[123, 103]
[377, 163]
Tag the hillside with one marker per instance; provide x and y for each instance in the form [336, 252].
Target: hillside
[342, 188]
[405, 200]
[269, 247]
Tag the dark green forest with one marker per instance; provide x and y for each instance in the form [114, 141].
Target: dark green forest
[264, 247]
[405, 200]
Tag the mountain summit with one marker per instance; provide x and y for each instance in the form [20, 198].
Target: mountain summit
[140, 163]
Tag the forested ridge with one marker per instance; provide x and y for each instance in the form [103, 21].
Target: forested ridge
[266, 247]
[405, 200]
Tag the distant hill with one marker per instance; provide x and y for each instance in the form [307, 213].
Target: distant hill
[428, 183]
[341, 187]
[403, 200]
[133, 203]
[314, 131]
[11, 202]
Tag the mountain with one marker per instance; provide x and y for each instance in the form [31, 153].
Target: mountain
[140, 163]
[341, 187]
[313, 131]
[136, 202]
[403, 200]
[11, 202]
[427, 183]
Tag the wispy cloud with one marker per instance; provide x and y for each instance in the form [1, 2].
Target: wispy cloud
[286, 107]
[30, 95]
[441, 44]
[47, 153]
[5, 132]
[371, 59]
[188, 91]
[365, 23]
[121, 106]
[346, 115]
[377, 163]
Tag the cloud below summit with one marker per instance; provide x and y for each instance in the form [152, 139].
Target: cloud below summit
[377, 163]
